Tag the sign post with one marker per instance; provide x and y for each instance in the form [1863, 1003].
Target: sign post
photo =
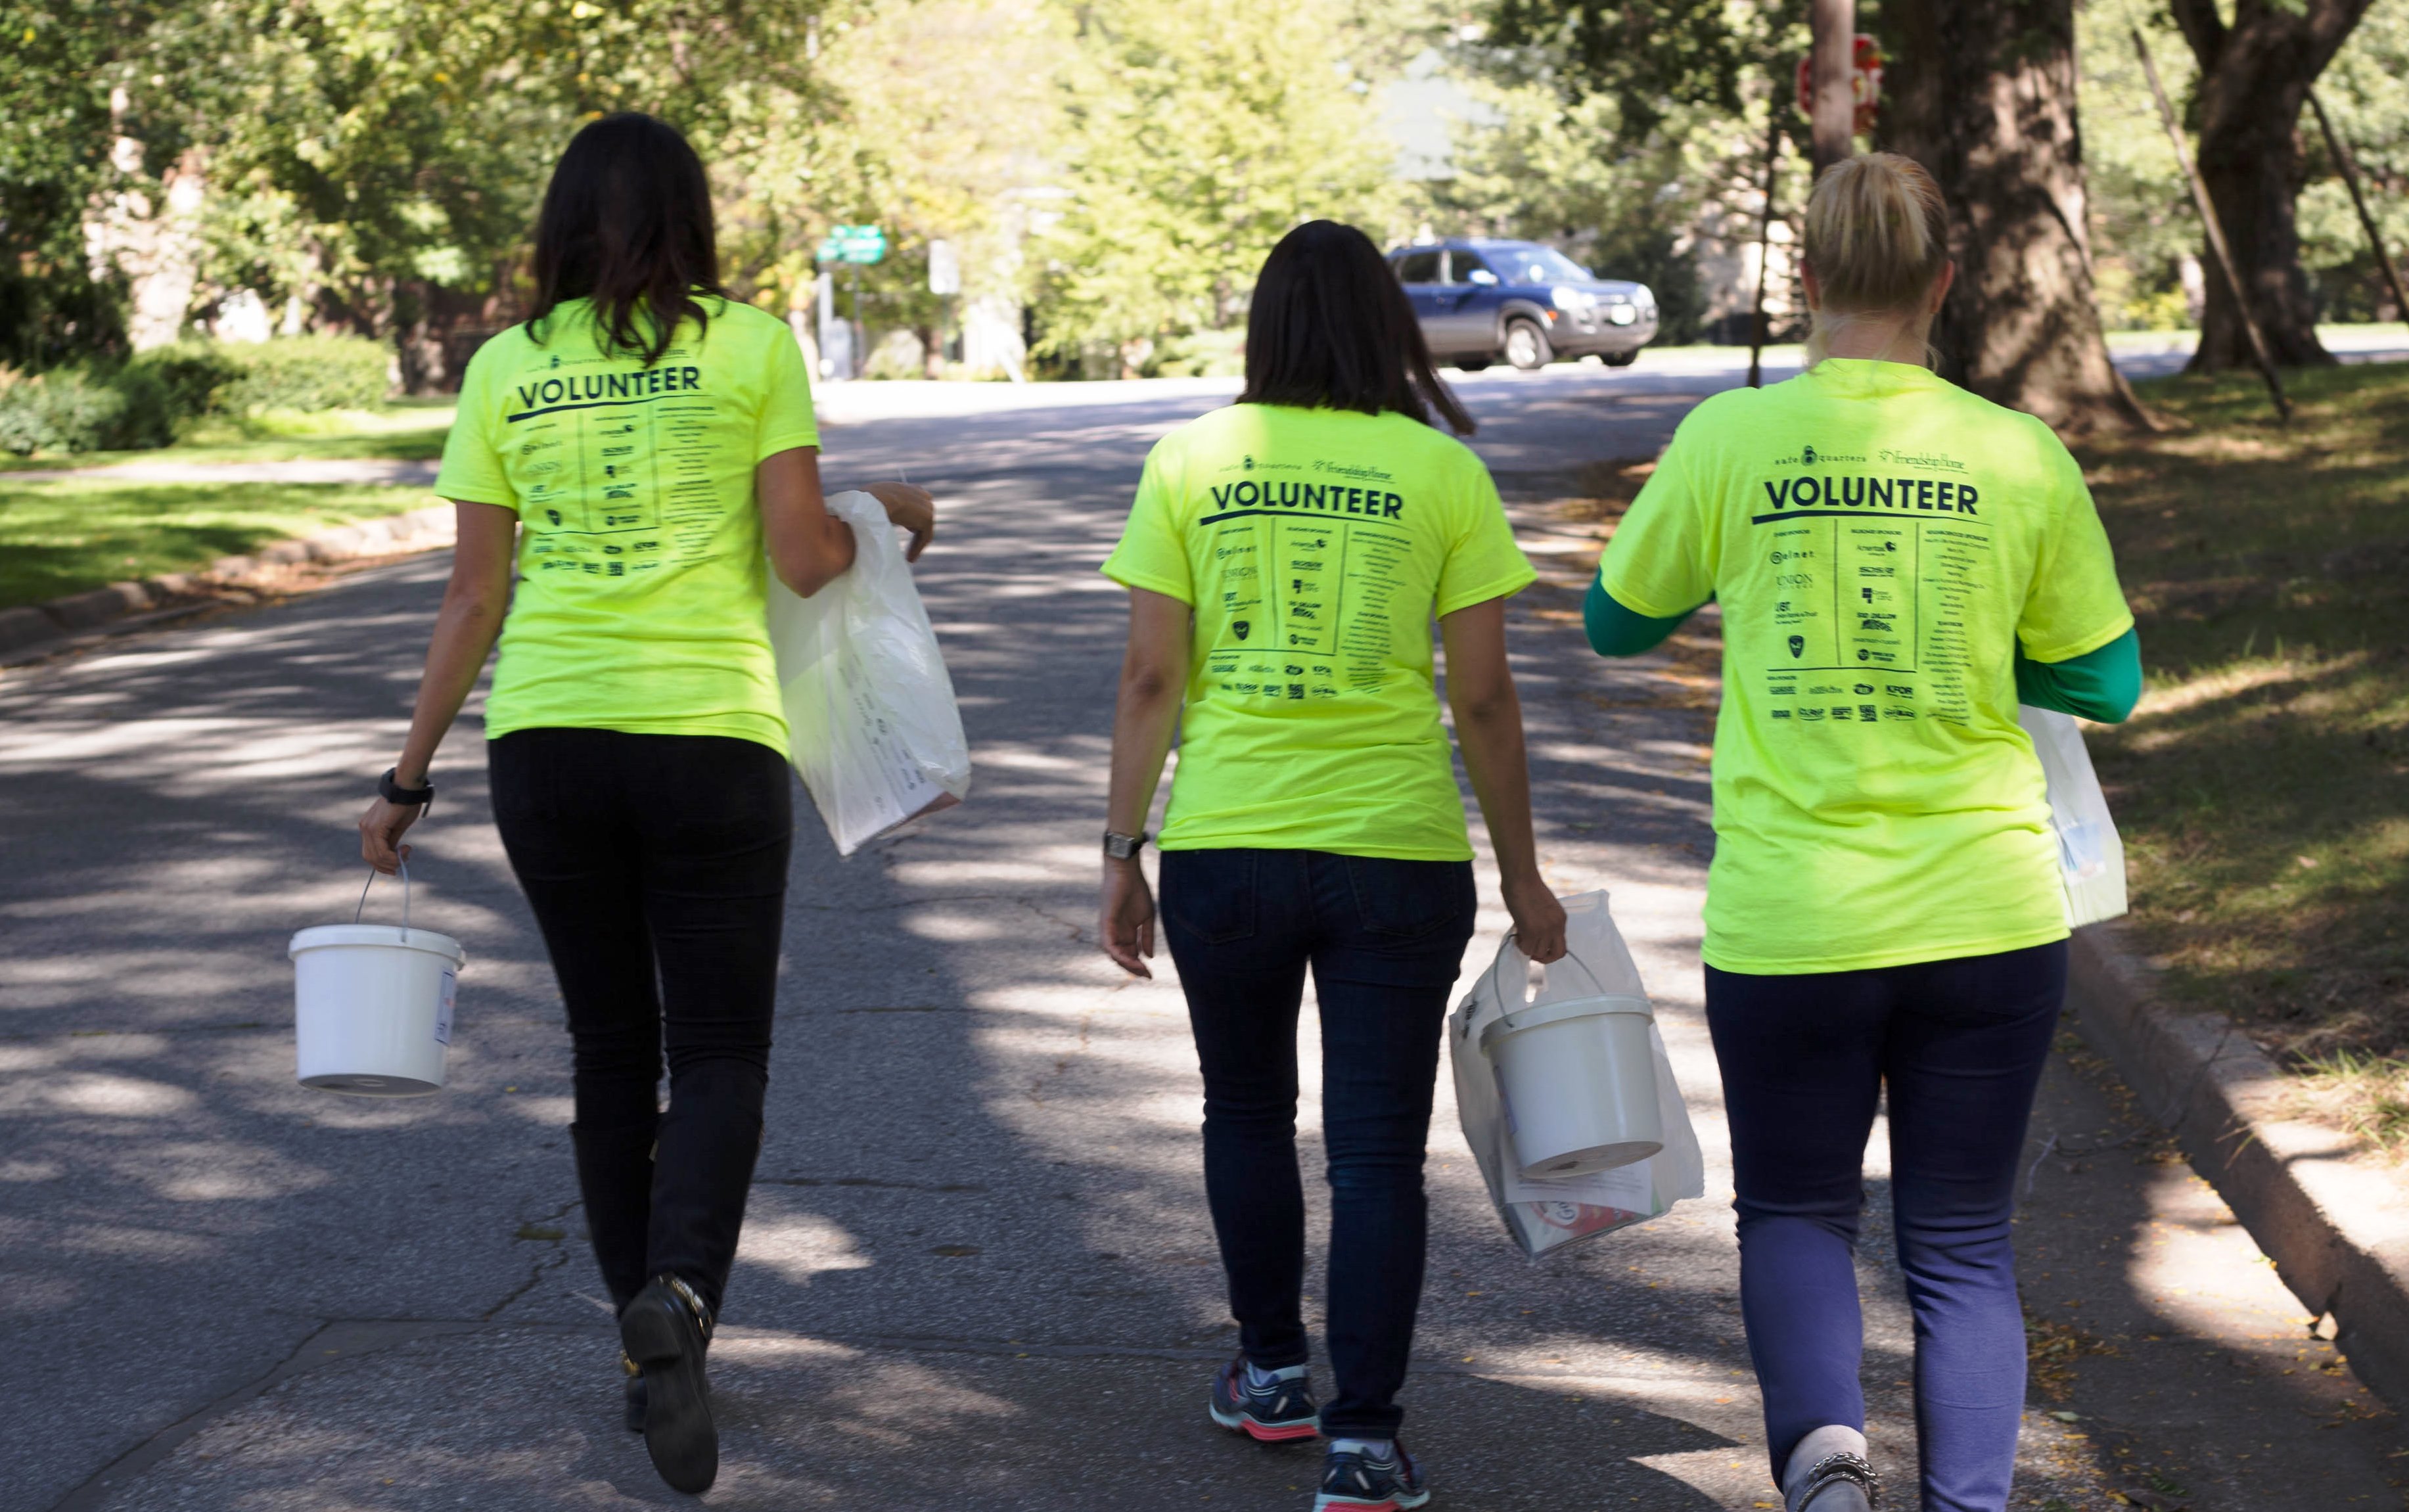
[946, 283]
[856, 246]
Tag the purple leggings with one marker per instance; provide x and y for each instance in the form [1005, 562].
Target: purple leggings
[1959, 1044]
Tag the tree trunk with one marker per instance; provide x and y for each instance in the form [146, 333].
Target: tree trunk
[2254, 78]
[1988, 106]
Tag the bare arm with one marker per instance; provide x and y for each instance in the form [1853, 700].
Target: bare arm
[465, 628]
[1154, 683]
[1489, 731]
[809, 547]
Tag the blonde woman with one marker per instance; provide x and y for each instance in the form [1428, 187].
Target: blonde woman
[1899, 565]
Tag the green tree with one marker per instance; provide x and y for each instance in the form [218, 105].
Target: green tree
[2255, 74]
[1196, 133]
[80, 74]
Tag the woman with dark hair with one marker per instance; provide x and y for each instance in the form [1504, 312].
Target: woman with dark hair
[633, 447]
[1285, 557]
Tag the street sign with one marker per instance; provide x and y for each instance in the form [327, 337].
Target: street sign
[1865, 82]
[944, 268]
[861, 244]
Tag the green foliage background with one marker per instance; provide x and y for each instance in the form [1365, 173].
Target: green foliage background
[1118, 167]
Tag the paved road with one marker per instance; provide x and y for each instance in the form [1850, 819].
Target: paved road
[978, 1273]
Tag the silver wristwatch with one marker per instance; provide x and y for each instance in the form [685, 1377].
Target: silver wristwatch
[1120, 847]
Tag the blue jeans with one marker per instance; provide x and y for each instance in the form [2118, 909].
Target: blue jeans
[1384, 939]
[1961, 1046]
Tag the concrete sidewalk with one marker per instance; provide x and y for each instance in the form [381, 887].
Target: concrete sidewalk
[978, 1272]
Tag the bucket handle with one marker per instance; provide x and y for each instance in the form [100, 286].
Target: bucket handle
[405, 899]
[1522, 993]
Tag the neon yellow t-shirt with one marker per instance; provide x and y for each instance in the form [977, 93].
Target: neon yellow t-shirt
[1880, 540]
[640, 603]
[1316, 547]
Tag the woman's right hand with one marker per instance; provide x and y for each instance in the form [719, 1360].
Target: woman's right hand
[1125, 921]
[381, 831]
[914, 508]
[1538, 918]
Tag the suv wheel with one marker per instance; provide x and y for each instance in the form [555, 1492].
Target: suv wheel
[1526, 346]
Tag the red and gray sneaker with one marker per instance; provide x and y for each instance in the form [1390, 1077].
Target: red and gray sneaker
[1272, 1407]
[1361, 1476]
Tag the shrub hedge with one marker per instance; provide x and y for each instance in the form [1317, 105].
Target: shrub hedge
[75, 409]
[139, 404]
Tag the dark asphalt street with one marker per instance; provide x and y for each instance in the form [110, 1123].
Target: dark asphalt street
[978, 1273]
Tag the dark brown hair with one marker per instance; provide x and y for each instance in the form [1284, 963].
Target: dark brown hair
[626, 222]
[1330, 328]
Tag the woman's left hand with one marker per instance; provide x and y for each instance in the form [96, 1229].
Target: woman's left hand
[914, 508]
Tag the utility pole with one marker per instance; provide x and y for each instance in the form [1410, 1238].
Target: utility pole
[1764, 247]
[2216, 230]
[1832, 63]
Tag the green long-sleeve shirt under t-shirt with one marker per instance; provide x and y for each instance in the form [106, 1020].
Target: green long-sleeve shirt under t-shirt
[2101, 685]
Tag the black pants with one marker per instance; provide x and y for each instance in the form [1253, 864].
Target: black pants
[1384, 940]
[657, 867]
[1960, 1044]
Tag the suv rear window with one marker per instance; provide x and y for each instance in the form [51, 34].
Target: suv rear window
[1418, 267]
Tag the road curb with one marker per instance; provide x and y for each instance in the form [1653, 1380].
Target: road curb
[2336, 1227]
[36, 629]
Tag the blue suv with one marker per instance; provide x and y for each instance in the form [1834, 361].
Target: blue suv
[1479, 300]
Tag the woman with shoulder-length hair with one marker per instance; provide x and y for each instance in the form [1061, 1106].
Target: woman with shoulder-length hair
[633, 447]
[1899, 565]
[1285, 557]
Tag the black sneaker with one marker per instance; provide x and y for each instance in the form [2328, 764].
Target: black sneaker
[635, 1374]
[665, 1330]
[1353, 1481]
[1276, 1412]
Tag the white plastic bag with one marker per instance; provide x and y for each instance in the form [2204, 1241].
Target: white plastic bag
[871, 717]
[1542, 1215]
[2090, 857]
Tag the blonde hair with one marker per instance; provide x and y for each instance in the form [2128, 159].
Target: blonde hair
[1877, 236]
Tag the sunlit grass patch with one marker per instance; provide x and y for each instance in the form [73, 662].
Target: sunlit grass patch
[2367, 1094]
[2262, 787]
[400, 430]
[61, 537]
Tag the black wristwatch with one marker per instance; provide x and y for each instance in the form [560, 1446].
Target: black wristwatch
[407, 797]
[1120, 847]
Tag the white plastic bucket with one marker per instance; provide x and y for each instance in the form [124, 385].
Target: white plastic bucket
[372, 1006]
[1578, 1081]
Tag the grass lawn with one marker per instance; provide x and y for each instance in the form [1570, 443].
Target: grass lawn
[2262, 787]
[402, 430]
[59, 538]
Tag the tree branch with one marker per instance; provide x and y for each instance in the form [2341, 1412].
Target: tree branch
[2202, 28]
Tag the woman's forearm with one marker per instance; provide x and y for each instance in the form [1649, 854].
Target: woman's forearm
[465, 631]
[1153, 687]
[1144, 718]
[1489, 735]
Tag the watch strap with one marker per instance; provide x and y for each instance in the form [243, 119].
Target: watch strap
[408, 798]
